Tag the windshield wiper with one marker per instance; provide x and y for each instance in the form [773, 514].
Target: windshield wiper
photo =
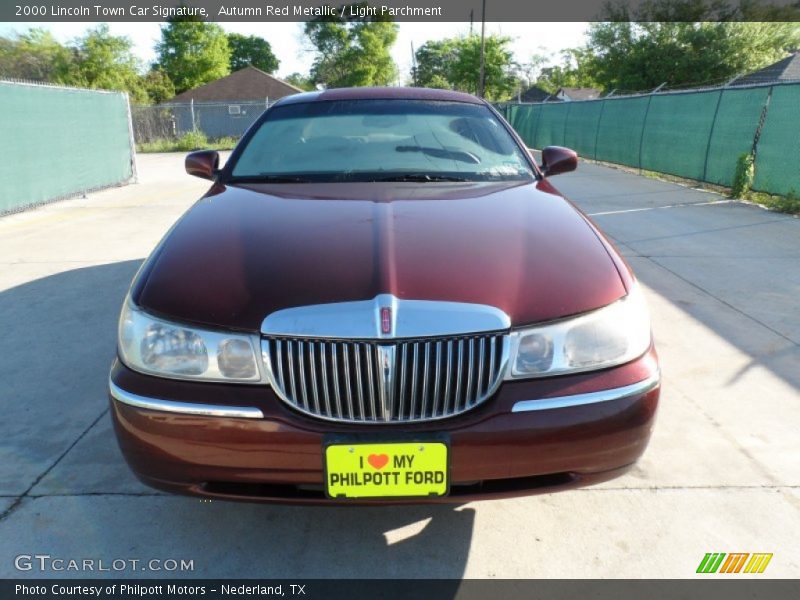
[422, 177]
[270, 178]
[441, 153]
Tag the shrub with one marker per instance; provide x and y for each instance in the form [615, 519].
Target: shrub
[744, 176]
[194, 140]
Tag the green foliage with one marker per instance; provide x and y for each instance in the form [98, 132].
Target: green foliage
[455, 63]
[435, 60]
[158, 85]
[193, 140]
[302, 81]
[635, 56]
[96, 60]
[744, 176]
[34, 55]
[352, 53]
[251, 50]
[104, 61]
[573, 71]
[193, 52]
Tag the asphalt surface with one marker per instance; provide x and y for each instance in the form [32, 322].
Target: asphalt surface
[722, 473]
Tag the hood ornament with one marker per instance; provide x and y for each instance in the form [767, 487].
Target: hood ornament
[386, 320]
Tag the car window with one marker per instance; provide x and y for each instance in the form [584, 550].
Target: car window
[368, 140]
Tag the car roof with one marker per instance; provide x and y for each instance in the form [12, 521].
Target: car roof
[380, 93]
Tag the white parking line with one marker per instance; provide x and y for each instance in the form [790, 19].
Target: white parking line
[631, 210]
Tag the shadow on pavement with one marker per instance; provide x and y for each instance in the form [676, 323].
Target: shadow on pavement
[57, 342]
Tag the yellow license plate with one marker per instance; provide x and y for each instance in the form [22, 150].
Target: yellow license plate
[386, 470]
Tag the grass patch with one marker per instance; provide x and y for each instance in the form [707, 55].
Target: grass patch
[193, 140]
[786, 204]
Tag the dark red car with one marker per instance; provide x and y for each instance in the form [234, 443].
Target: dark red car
[382, 298]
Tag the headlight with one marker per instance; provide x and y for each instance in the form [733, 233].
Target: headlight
[167, 349]
[615, 334]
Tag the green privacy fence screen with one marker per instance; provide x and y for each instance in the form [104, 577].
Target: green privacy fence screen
[58, 142]
[698, 135]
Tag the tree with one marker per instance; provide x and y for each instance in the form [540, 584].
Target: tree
[455, 63]
[573, 71]
[682, 43]
[302, 81]
[104, 61]
[251, 50]
[352, 53]
[435, 60]
[34, 55]
[158, 86]
[192, 52]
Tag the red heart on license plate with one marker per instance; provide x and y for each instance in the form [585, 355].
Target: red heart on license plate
[378, 460]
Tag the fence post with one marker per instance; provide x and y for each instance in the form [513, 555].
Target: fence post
[711, 134]
[566, 120]
[191, 108]
[599, 120]
[134, 170]
[644, 126]
[536, 127]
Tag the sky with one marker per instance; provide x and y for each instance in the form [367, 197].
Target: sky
[291, 48]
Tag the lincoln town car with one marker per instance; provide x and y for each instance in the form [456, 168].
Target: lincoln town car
[381, 298]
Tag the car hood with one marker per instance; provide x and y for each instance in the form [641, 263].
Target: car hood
[245, 251]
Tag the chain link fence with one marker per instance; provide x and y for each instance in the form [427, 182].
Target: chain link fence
[59, 142]
[697, 134]
[214, 119]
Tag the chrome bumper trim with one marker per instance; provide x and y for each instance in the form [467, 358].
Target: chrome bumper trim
[186, 408]
[640, 387]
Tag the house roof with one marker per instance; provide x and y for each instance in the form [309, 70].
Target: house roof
[786, 69]
[578, 93]
[534, 94]
[249, 83]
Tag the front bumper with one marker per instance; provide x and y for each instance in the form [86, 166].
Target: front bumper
[241, 442]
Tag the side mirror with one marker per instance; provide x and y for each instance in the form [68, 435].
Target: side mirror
[203, 163]
[556, 159]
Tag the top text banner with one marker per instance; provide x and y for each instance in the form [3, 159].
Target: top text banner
[397, 10]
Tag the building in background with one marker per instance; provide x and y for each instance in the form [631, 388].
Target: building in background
[535, 94]
[787, 69]
[249, 84]
[219, 109]
[568, 94]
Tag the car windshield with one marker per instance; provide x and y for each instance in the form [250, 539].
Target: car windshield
[381, 140]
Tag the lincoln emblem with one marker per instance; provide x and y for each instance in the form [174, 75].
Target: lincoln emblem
[386, 320]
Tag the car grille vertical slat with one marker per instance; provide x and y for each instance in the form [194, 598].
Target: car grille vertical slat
[403, 367]
[279, 360]
[459, 377]
[324, 372]
[425, 378]
[357, 356]
[437, 379]
[481, 367]
[448, 378]
[290, 354]
[347, 381]
[415, 370]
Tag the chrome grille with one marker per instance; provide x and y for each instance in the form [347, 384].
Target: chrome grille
[383, 382]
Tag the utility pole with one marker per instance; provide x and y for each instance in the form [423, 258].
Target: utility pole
[482, 80]
[413, 64]
[471, 18]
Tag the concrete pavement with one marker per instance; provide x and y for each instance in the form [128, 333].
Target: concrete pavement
[722, 473]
